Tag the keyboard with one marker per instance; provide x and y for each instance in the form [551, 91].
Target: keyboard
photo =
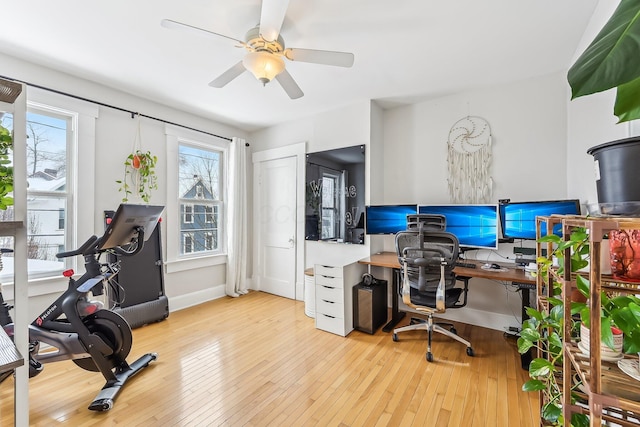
[465, 264]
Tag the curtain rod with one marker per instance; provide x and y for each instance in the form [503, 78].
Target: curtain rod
[102, 104]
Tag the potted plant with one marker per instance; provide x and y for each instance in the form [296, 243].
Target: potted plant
[544, 329]
[139, 176]
[6, 170]
[613, 60]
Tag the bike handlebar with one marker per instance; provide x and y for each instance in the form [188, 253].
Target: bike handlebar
[91, 242]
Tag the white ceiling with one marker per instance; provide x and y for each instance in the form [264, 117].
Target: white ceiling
[405, 50]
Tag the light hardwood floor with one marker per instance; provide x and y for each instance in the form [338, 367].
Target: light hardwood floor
[258, 360]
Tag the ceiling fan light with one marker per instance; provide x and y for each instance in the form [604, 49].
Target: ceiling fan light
[264, 65]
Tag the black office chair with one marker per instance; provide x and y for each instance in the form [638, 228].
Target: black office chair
[427, 260]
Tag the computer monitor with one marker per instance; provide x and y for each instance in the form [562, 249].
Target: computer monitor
[387, 219]
[518, 219]
[122, 228]
[475, 226]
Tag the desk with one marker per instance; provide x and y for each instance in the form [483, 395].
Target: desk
[390, 260]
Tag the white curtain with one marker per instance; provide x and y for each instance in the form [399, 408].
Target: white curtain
[237, 220]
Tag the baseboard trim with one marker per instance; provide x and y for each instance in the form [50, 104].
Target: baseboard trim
[194, 298]
[485, 319]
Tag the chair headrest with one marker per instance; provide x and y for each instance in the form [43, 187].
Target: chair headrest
[432, 245]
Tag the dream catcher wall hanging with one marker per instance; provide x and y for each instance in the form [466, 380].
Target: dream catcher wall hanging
[469, 161]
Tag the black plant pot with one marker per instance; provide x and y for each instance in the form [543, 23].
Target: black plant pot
[617, 175]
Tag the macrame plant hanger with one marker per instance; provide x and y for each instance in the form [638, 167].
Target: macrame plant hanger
[136, 148]
[469, 161]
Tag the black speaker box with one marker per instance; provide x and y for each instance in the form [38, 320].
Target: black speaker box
[370, 306]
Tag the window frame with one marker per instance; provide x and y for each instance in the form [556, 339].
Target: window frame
[176, 136]
[67, 195]
[80, 218]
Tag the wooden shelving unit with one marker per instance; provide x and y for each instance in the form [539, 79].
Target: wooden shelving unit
[10, 357]
[607, 393]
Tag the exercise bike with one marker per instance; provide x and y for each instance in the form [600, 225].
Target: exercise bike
[78, 328]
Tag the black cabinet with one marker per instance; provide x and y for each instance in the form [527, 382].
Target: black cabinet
[140, 296]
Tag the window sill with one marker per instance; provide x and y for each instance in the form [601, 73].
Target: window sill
[195, 262]
[37, 287]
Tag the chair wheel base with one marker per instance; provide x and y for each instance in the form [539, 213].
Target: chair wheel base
[395, 337]
[470, 352]
[429, 357]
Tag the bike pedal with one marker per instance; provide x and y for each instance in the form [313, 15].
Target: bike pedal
[35, 367]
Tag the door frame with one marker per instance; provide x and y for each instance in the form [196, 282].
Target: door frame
[298, 151]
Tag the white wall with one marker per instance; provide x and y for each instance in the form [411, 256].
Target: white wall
[528, 124]
[407, 163]
[115, 131]
[342, 127]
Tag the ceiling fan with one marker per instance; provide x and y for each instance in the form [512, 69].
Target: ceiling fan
[266, 50]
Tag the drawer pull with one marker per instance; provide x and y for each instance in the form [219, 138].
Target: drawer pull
[327, 287]
[331, 317]
[328, 277]
[329, 302]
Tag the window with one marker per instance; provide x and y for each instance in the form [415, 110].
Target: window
[187, 243]
[61, 219]
[197, 171]
[330, 202]
[188, 214]
[200, 196]
[209, 241]
[50, 140]
[209, 214]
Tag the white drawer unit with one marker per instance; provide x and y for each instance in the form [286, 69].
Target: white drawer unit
[334, 296]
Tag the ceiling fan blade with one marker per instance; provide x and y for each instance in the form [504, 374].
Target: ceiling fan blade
[272, 17]
[228, 75]
[289, 85]
[326, 57]
[175, 25]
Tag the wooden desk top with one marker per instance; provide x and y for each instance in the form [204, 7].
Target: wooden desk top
[390, 260]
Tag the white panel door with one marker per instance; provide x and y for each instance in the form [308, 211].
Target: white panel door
[277, 251]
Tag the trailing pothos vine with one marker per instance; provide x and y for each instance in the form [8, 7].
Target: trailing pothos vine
[544, 330]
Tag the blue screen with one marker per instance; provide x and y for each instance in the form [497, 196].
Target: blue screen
[518, 220]
[387, 219]
[475, 226]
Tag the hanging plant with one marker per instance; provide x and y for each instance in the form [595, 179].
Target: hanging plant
[139, 172]
[139, 176]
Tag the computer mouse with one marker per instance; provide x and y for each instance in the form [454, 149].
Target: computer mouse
[495, 266]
